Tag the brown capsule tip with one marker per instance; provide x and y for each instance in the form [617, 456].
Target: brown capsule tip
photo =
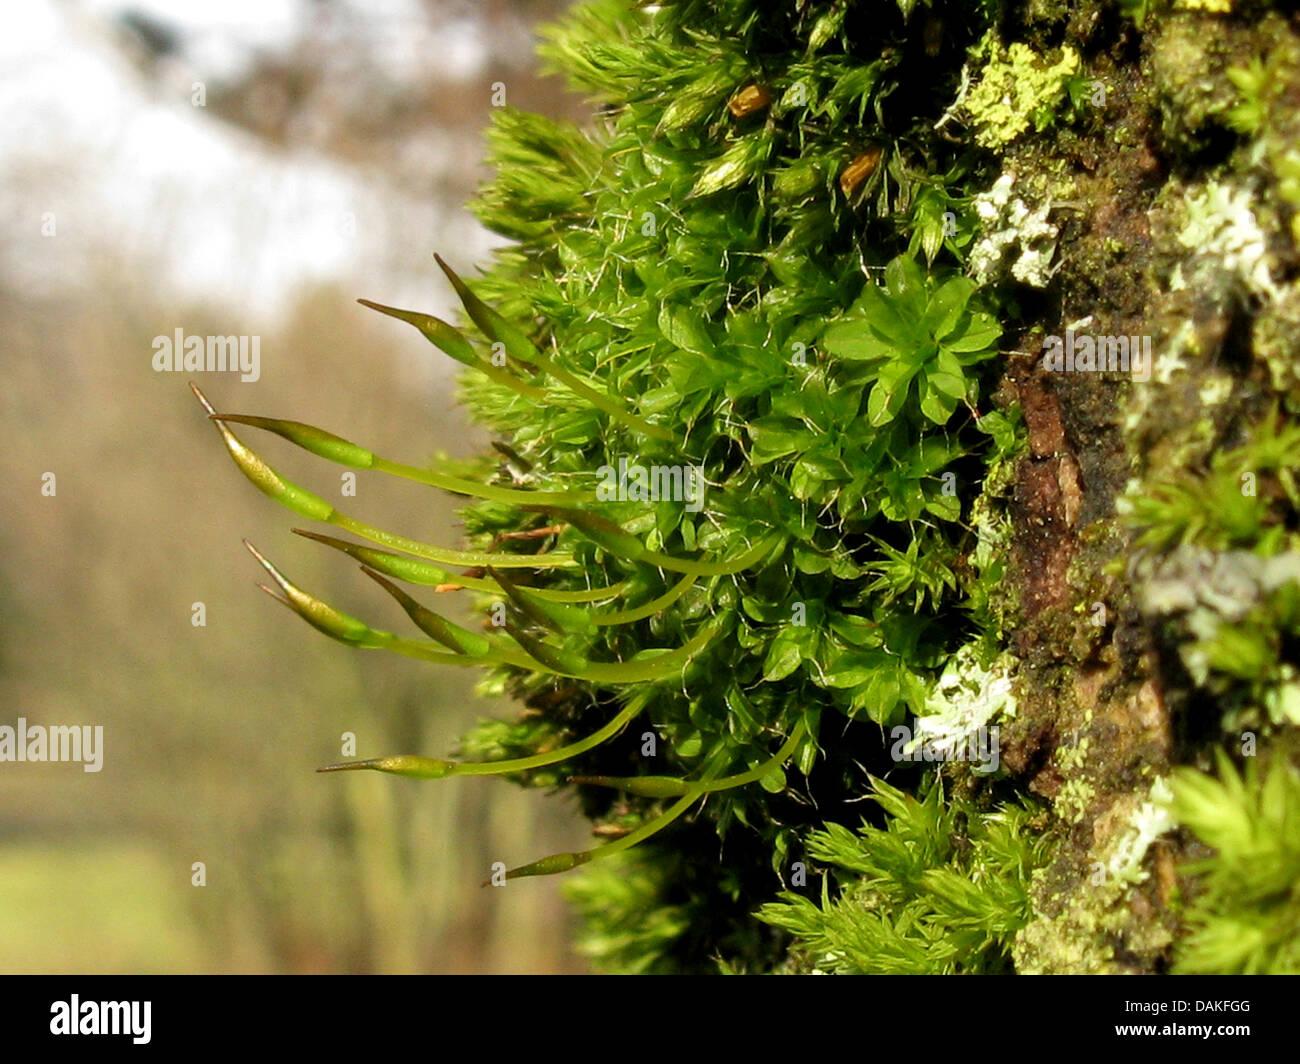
[456, 282]
[198, 394]
[261, 558]
[749, 100]
[348, 766]
[276, 595]
[271, 570]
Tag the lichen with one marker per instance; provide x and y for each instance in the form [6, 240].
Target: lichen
[1223, 233]
[1017, 88]
[1151, 820]
[1014, 237]
[967, 698]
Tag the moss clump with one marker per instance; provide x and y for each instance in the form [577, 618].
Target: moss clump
[942, 890]
[780, 268]
[1245, 916]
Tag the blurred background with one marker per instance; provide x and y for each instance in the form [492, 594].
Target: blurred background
[241, 167]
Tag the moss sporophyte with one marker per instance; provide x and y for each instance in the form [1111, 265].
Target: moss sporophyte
[905, 345]
[736, 443]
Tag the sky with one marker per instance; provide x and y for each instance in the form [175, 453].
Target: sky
[115, 164]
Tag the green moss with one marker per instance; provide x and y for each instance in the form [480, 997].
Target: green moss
[942, 889]
[772, 261]
[1246, 914]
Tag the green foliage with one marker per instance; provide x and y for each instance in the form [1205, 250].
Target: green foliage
[1222, 564]
[1252, 81]
[914, 330]
[691, 287]
[1245, 911]
[1239, 501]
[941, 889]
[627, 929]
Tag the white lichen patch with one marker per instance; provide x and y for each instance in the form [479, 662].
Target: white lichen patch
[1151, 820]
[1226, 584]
[966, 698]
[1014, 233]
[1213, 593]
[1222, 228]
[1215, 389]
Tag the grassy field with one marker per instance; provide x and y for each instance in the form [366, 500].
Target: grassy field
[94, 907]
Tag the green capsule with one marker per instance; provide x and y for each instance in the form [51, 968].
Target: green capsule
[412, 570]
[563, 662]
[553, 865]
[309, 438]
[613, 538]
[336, 449]
[648, 665]
[310, 505]
[301, 501]
[554, 615]
[459, 639]
[604, 533]
[451, 342]
[416, 571]
[324, 618]
[563, 862]
[671, 787]
[437, 768]
[447, 338]
[424, 768]
[494, 326]
[645, 786]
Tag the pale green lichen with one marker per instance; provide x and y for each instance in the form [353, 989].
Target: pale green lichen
[1151, 820]
[1073, 799]
[961, 706]
[1074, 929]
[1016, 89]
[1222, 230]
[1221, 599]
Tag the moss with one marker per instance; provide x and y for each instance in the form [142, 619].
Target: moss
[1190, 57]
[1276, 339]
[960, 534]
